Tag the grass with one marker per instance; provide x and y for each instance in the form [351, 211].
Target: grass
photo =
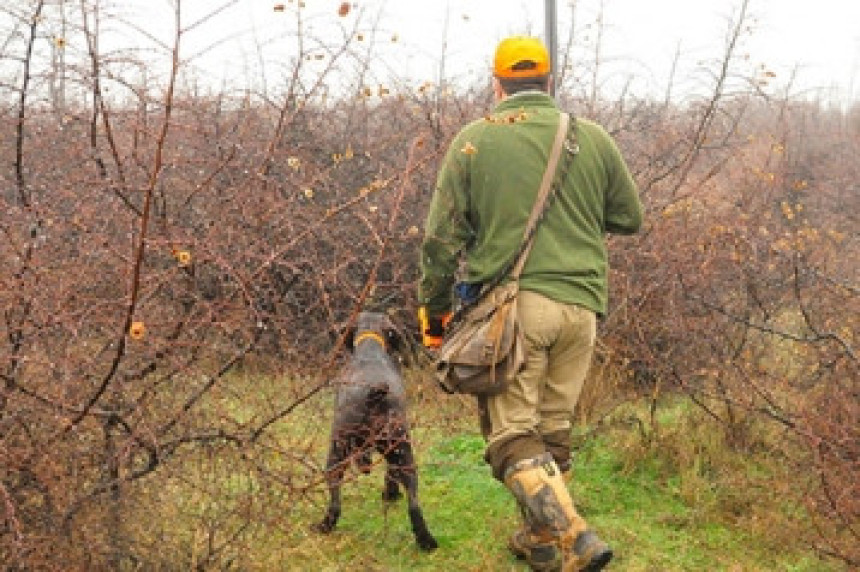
[662, 509]
[640, 513]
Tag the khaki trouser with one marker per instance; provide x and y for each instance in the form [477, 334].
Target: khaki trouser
[540, 401]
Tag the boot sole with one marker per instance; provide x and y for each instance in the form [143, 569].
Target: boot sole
[522, 553]
[598, 562]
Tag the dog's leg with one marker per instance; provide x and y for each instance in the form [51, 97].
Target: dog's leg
[391, 491]
[338, 460]
[364, 460]
[401, 468]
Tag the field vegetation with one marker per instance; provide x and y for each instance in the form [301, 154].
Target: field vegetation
[179, 263]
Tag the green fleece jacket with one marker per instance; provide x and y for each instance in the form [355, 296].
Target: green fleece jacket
[486, 187]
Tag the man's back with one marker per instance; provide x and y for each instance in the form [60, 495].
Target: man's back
[488, 185]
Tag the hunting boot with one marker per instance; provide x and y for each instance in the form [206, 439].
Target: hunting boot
[554, 537]
[558, 444]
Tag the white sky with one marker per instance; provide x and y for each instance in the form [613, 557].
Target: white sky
[819, 40]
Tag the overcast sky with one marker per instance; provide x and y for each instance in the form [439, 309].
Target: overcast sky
[819, 40]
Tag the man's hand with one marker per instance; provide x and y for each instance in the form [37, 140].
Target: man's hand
[432, 328]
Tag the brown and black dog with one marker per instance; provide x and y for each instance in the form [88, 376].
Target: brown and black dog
[370, 415]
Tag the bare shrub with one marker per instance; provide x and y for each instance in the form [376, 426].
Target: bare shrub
[166, 247]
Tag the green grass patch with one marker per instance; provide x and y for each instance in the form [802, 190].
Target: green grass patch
[661, 506]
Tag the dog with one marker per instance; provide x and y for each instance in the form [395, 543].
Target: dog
[370, 415]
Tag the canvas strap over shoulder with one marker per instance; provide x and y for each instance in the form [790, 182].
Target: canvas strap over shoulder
[543, 194]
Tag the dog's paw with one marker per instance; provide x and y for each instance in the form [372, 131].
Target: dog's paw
[324, 527]
[391, 494]
[426, 542]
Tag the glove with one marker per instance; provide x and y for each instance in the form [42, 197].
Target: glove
[432, 328]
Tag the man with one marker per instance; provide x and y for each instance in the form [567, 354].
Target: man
[486, 188]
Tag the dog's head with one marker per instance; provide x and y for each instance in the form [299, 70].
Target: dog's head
[379, 326]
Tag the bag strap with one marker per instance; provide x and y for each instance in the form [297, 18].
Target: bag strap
[543, 193]
[515, 266]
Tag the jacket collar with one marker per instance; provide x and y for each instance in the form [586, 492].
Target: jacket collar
[525, 99]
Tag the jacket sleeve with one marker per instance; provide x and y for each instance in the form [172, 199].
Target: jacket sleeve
[623, 208]
[447, 231]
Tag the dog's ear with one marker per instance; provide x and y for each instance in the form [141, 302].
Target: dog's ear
[401, 345]
[349, 339]
[393, 339]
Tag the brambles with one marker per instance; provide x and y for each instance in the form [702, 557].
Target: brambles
[273, 215]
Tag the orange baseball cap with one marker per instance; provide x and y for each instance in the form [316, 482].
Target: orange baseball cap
[521, 57]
